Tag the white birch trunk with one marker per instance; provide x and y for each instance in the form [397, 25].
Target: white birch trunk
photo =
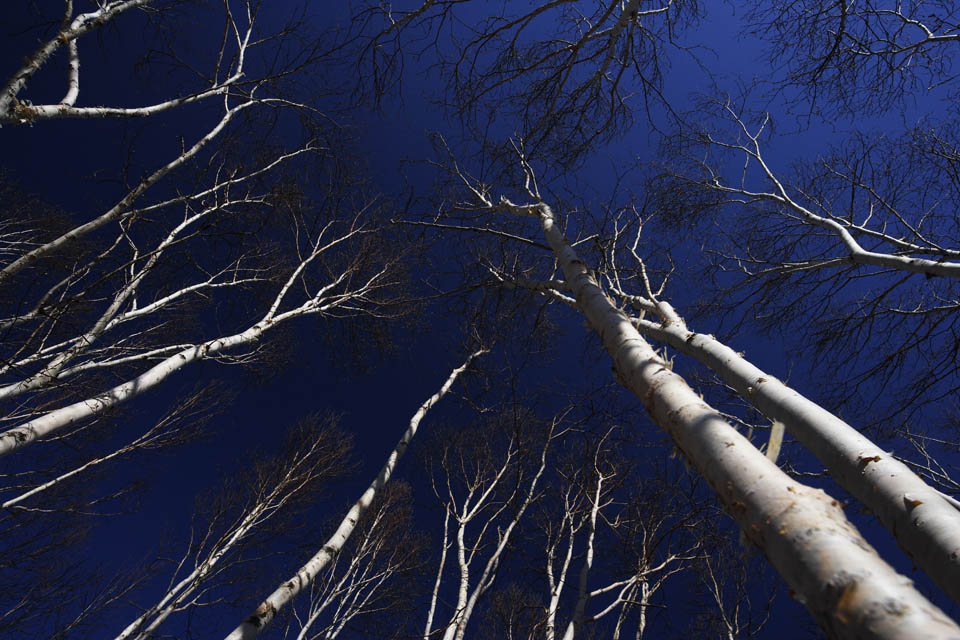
[457, 624]
[323, 300]
[840, 578]
[265, 613]
[558, 583]
[583, 594]
[435, 594]
[18, 437]
[925, 524]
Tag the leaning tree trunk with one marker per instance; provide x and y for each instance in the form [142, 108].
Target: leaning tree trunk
[265, 613]
[925, 524]
[837, 575]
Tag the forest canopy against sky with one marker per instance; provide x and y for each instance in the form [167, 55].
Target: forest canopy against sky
[466, 319]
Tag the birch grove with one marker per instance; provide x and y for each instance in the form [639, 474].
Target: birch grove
[706, 257]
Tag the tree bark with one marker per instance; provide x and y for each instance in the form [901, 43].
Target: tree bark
[834, 572]
[925, 524]
[265, 613]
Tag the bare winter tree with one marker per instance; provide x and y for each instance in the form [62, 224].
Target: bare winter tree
[486, 479]
[211, 244]
[722, 602]
[847, 454]
[571, 75]
[234, 71]
[334, 268]
[334, 546]
[726, 459]
[369, 584]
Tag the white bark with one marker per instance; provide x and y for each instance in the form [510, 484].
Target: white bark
[925, 524]
[14, 111]
[265, 613]
[583, 595]
[841, 579]
[324, 299]
[309, 460]
[18, 437]
[52, 370]
[73, 29]
[468, 597]
[435, 594]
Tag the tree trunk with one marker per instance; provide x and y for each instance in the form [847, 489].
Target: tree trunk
[265, 613]
[840, 578]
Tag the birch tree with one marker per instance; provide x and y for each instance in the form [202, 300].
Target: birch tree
[726, 459]
[369, 584]
[229, 535]
[97, 311]
[49, 517]
[307, 574]
[486, 479]
[725, 608]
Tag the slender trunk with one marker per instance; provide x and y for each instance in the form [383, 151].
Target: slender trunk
[644, 599]
[583, 594]
[265, 613]
[557, 589]
[463, 592]
[841, 579]
[428, 627]
[18, 437]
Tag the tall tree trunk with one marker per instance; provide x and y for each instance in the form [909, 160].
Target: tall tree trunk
[265, 613]
[840, 578]
[925, 524]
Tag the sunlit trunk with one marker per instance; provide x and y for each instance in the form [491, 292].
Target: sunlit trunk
[845, 584]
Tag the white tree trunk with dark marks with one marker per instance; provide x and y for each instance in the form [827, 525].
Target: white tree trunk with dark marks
[850, 590]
